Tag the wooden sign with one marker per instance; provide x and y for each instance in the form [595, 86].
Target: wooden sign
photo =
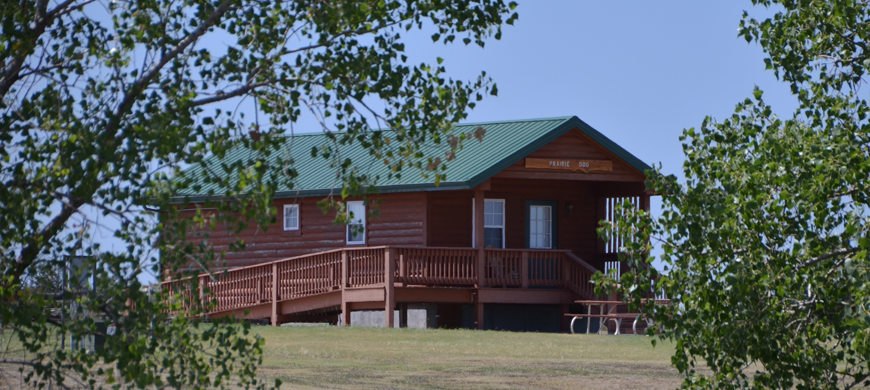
[574, 165]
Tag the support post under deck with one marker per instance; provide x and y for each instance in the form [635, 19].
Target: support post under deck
[389, 287]
[274, 294]
[345, 313]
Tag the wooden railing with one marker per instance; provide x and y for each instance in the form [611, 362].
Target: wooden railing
[366, 266]
[578, 277]
[436, 266]
[338, 269]
[180, 294]
[247, 287]
[308, 275]
[505, 268]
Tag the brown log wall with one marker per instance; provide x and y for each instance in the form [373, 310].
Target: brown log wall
[400, 222]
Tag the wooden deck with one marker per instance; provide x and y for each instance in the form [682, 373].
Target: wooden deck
[382, 277]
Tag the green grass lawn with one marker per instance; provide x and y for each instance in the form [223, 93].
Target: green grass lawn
[372, 358]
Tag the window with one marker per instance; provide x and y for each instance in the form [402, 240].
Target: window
[540, 227]
[356, 223]
[493, 223]
[291, 217]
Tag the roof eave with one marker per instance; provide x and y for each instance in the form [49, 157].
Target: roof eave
[447, 186]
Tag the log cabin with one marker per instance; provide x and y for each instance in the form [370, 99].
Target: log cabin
[508, 241]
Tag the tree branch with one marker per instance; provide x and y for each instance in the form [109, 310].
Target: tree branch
[35, 246]
[10, 75]
[827, 256]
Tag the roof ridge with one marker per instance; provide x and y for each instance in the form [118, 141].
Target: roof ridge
[564, 118]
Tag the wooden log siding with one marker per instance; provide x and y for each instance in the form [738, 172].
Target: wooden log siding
[400, 222]
[320, 273]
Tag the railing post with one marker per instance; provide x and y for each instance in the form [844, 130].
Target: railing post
[274, 294]
[601, 214]
[202, 294]
[389, 286]
[524, 267]
[403, 270]
[345, 276]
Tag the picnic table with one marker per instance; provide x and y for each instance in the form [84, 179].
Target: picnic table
[609, 306]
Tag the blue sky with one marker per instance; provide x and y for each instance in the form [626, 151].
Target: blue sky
[640, 72]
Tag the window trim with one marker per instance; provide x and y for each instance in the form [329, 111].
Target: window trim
[284, 217]
[503, 221]
[347, 227]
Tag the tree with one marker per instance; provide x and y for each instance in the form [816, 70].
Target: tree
[103, 101]
[765, 244]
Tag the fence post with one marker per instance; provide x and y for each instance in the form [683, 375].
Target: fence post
[389, 286]
[274, 294]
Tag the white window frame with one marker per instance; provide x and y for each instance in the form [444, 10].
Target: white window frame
[360, 217]
[551, 227]
[289, 207]
[503, 221]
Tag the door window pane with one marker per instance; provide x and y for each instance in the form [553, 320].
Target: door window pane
[540, 227]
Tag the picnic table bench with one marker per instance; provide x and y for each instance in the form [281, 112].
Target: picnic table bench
[610, 315]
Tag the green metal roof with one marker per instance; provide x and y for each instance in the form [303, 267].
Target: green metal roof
[505, 143]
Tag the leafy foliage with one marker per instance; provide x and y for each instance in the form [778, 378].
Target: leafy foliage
[101, 102]
[765, 245]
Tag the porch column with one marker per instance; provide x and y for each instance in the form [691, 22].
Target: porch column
[478, 236]
[481, 253]
[600, 215]
[644, 202]
[644, 205]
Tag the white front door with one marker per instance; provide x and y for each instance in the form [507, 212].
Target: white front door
[541, 227]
